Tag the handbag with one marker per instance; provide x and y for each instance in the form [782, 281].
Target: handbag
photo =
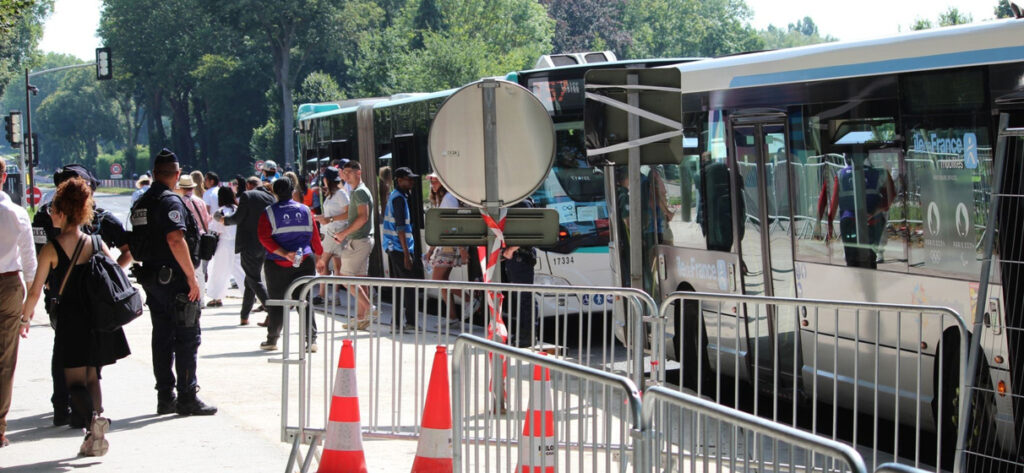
[53, 302]
[112, 298]
[207, 241]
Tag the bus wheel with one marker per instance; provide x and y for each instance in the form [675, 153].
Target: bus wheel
[949, 397]
[690, 343]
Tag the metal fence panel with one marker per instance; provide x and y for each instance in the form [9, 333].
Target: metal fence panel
[887, 379]
[688, 433]
[596, 414]
[396, 360]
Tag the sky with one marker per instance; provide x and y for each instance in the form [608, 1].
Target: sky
[72, 27]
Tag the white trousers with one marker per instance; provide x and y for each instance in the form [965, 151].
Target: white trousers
[224, 266]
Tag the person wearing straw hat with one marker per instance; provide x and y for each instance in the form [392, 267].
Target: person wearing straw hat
[186, 188]
[141, 186]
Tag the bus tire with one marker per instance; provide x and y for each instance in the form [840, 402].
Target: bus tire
[691, 351]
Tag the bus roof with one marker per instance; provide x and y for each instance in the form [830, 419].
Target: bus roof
[513, 76]
[313, 111]
[956, 46]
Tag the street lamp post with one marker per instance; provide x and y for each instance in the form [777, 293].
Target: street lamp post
[29, 143]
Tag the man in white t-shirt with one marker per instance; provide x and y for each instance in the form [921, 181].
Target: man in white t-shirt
[212, 183]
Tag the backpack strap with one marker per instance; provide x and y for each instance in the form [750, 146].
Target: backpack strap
[97, 244]
[71, 265]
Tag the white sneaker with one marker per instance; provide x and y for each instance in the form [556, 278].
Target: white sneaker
[95, 443]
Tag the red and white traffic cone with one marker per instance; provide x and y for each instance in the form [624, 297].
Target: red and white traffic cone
[434, 451]
[537, 444]
[343, 443]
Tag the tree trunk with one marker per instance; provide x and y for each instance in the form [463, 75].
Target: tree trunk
[181, 131]
[202, 134]
[157, 134]
[286, 110]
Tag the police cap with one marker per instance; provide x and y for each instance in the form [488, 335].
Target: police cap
[165, 156]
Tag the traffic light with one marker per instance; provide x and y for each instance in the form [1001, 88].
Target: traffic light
[12, 125]
[35, 149]
[104, 71]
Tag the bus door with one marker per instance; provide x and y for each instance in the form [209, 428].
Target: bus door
[762, 206]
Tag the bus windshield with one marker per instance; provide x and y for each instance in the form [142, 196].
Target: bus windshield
[576, 190]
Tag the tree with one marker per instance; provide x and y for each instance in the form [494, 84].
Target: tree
[20, 30]
[921, 24]
[588, 25]
[284, 27]
[319, 87]
[74, 120]
[953, 16]
[680, 28]
[1003, 9]
[801, 33]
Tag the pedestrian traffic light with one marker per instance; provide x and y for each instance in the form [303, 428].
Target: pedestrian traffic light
[12, 125]
[35, 149]
[104, 71]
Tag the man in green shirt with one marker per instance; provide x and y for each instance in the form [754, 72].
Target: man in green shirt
[356, 240]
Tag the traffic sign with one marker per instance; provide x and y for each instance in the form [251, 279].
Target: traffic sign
[259, 166]
[115, 171]
[510, 127]
[34, 196]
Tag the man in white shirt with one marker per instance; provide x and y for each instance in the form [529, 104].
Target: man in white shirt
[17, 263]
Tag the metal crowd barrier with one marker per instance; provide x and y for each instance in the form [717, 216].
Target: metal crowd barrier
[830, 368]
[687, 433]
[396, 360]
[897, 468]
[596, 415]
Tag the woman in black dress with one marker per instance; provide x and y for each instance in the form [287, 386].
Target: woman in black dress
[84, 350]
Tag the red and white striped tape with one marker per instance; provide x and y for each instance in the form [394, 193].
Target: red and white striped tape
[488, 265]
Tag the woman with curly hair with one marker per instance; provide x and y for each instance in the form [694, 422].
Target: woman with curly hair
[83, 350]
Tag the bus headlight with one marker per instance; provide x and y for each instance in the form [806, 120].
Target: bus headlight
[549, 280]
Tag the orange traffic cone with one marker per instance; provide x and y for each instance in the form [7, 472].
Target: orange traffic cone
[343, 443]
[434, 451]
[537, 444]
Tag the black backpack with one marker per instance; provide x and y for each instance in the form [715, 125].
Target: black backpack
[112, 298]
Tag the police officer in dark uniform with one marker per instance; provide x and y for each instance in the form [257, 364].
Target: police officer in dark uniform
[112, 232]
[165, 239]
[517, 267]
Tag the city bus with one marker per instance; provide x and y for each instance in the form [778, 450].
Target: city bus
[393, 132]
[859, 171]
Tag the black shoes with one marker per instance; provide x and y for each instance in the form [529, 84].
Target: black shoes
[166, 405]
[61, 416]
[195, 407]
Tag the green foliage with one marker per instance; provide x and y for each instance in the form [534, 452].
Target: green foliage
[21, 27]
[104, 160]
[588, 25]
[1003, 10]
[801, 33]
[74, 120]
[952, 16]
[319, 87]
[681, 28]
[266, 141]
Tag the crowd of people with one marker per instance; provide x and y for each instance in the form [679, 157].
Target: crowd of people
[191, 235]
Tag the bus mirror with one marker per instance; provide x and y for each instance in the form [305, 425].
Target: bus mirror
[656, 105]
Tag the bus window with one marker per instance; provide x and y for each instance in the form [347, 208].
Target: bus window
[949, 165]
[575, 189]
[681, 195]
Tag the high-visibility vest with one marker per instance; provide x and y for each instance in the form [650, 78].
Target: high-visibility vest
[291, 225]
[874, 191]
[389, 230]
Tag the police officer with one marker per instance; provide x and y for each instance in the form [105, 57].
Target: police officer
[398, 241]
[111, 230]
[518, 268]
[165, 239]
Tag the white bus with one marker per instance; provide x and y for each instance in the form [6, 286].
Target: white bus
[857, 171]
[393, 132]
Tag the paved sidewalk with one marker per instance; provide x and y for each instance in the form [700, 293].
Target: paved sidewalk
[233, 374]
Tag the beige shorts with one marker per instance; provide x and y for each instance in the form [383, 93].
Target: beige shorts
[355, 257]
[331, 245]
